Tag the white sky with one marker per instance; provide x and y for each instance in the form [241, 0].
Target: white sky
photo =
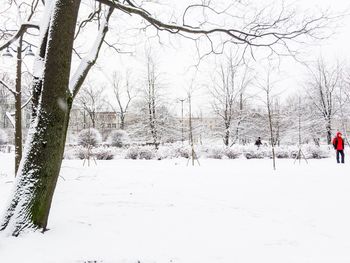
[175, 61]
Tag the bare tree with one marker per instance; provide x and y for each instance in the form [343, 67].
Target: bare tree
[16, 92]
[91, 101]
[151, 93]
[343, 99]
[5, 98]
[228, 92]
[25, 13]
[281, 124]
[54, 89]
[124, 94]
[240, 116]
[267, 87]
[322, 91]
[193, 156]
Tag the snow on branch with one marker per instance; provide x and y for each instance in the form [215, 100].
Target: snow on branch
[8, 87]
[88, 61]
[11, 119]
[27, 102]
[22, 29]
[10, 115]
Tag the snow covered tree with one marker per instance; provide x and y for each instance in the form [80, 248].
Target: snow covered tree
[42, 161]
[267, 87]
[343, 99]
[302, 121]
[227, 93]
[322, 90]
[151, 108]
[118, 138]
[89, 137]
[54, 89]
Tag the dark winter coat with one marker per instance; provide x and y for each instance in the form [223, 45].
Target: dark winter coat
[258, 142]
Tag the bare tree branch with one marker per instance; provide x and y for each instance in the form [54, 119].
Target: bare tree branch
[23, 28]
[258, 35]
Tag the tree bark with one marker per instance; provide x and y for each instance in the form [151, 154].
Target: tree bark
[18, 107]
[36, 177]
[269, 114]
[227, 135]
[122, 121]
[329, 131]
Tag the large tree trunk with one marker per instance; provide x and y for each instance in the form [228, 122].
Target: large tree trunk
[37, 177]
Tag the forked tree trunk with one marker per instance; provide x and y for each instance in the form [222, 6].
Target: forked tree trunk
[36, 177]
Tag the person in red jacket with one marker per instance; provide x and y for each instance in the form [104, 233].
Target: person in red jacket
[338, 144]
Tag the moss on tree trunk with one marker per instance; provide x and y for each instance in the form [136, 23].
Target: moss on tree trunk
[40, 166]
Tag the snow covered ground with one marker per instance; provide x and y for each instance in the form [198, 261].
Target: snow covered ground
[232, 211]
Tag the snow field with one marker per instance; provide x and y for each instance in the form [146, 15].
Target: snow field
[240, 211]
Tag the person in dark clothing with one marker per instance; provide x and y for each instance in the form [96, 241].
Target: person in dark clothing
[258, 142]
[338, 144]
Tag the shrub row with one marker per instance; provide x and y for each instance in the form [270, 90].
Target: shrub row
[178, 151]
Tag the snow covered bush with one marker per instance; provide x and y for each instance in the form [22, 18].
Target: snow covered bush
[165, 152]
[118, 153]
[3, 137]
[282, 152]
[146, 153]
[102, 153]
[140, 153]
[80, 152]
[316, 152]
[88, 137]
[118, 138]
[182, 151]
[216, 152]
[233, 152]
[174, 150]
[293, 152]
[252, 152]
[132, 153]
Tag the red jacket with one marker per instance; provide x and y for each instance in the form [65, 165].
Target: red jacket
[338, 143]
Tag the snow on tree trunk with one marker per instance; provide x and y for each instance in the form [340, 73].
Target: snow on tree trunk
[37, 177]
